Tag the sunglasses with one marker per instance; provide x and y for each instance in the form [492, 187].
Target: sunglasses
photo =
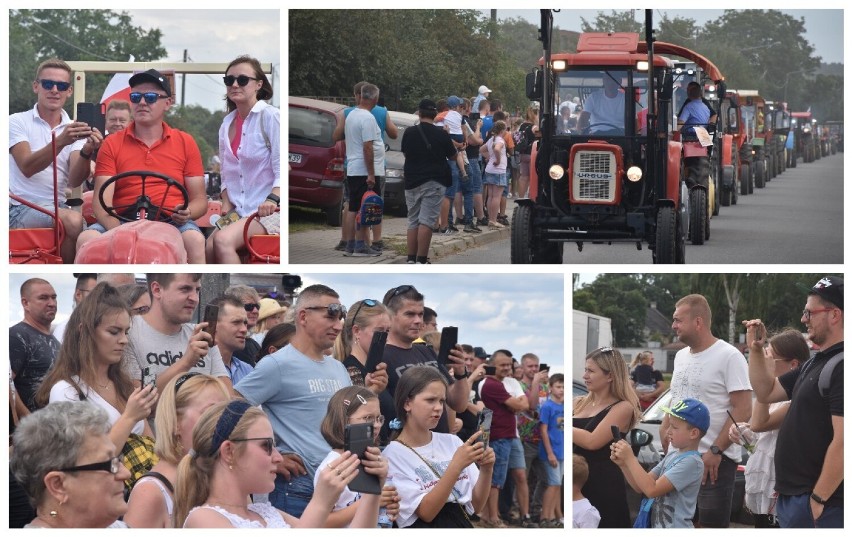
[150, 97]
[242, 80]
[112, 466]
[806, 313]
[252, 306]
[49, 84]
[334, 310]
[402, 289]
[182, 379]
[369, 302]
[268, 443]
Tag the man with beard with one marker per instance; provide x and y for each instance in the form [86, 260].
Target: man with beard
[809, 452]
[294, 385]
[32, 348]
[164, 342]
[714, 372]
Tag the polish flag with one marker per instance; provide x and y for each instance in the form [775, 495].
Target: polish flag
[118, 88]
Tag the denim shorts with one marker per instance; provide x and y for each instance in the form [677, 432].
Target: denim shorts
[554, 475]
[23, 217]
[509, 453]
[476, 176]
[498, 179]
[189, 226]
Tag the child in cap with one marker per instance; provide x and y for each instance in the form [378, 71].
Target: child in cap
[675, 481]
[585, 514]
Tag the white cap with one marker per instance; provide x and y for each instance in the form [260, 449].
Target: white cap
[484, 89]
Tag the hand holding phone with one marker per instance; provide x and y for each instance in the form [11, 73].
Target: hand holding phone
[490, 370]
[449, 338]
[616, 433]
[356, 438]
[543, 367]
[146, 371]
[484, 425]
[211, 316]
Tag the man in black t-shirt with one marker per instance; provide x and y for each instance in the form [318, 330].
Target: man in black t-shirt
[809, 451]
[427, 176]
[32, 348]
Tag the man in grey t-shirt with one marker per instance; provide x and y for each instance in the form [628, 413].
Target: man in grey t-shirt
[164, 341]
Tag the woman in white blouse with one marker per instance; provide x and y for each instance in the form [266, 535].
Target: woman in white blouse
[249, 150]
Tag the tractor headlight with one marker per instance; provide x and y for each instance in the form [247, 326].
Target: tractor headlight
[634, 174]
[556, 172]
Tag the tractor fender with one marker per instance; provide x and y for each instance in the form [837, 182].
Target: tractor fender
[675, 152]
[727, 149]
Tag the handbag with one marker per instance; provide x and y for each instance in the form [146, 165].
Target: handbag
[447, 173]
[643, 519]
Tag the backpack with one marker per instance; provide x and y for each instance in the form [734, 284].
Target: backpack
[524, 139]
[825, 374]
[372, 207]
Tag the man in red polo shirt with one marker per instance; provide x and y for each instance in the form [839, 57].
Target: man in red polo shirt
[148, 143]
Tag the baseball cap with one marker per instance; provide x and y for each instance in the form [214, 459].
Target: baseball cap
[480, 353]
[153, 76]
[484, 89]
[427, 105]
[453, 101]
[692, 411]
[829, 288]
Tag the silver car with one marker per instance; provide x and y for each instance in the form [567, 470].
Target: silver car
[395, 162]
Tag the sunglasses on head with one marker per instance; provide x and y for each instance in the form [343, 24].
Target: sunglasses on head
[268, 444]
[49, 84]
[150, 97]
[334, 310]
[251, 306]
[370, 304]
[242, 80]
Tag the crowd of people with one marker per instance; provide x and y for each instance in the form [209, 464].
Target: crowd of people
[140, 418]
[138, 138]
[793, 428]
[464, 158]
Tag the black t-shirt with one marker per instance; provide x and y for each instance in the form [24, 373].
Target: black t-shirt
[645, 374]
[421, 164]
[471, 150]
[806, 431]
[357, 370]
[31, 353]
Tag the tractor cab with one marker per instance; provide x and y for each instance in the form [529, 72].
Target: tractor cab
[609, 169]
[754, 110]
[804, 137]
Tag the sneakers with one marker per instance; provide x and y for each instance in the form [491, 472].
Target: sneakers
[459, 221]
[472, 228]
[528, 523]
[453, 228]
[364, 251]
[378, 246]
[341, 246]
[449, 230]
[481, 221]
[495, 225]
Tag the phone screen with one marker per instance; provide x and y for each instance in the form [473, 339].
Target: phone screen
[543, 367]
[377, 351]
[146, 371]
[449, 338]
[490, 370]
[211, 316]
[484, 424]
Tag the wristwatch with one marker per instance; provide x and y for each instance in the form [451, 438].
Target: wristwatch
[817, 498]
[714, 449]
[460, 377]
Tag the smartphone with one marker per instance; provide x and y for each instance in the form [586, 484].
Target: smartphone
[490, 370]
[146, 371]
[449, 338]
[228, 218]
[211, 315]
[543, 367]
[377, 351]
[90, 114]
[483, 422]
[357, 437]
[616, 434]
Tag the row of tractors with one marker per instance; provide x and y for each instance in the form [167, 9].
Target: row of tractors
[641, 180]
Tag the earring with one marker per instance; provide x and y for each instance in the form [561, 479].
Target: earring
[53, 514]
[230, 467]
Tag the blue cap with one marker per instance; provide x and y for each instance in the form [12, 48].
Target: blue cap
[692, 411]
[453, 101]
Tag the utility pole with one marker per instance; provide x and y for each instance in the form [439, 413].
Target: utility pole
[183, 83]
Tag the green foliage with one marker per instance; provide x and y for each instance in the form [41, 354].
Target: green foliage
[72, 35]
[616, 21]
[200, 124]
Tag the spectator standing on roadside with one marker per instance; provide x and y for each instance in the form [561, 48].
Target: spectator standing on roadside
[647, 381]
[32, 348]
[250, 298]
[482, 96]
[585, 515]
[535, 386]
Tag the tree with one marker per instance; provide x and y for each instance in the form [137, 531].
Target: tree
[621, 298]
[616, 21]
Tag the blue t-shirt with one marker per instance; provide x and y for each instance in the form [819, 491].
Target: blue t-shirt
[695, 112]
[676, 509]
[552, 414]
[294, 391]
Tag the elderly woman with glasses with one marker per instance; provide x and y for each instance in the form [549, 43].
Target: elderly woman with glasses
[250, 155]
[611, 402]
[365, 318]
[69, 466]
[351, 406]
[233, 455]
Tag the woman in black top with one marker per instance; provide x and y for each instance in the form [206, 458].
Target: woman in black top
[365, 317]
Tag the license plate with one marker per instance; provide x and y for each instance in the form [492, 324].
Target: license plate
[296, 158]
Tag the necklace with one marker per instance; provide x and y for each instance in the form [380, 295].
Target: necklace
[102, 386]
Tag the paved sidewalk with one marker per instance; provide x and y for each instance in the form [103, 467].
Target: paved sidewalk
[317, 246]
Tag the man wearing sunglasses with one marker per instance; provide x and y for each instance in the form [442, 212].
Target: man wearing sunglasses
[31, 151]
[251, 303]
[294, 385]
[150, 144]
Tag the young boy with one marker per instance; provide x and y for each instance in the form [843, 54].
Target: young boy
[551, 449]
[585, 514]
[675, 481]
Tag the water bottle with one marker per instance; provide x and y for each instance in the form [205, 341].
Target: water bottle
[384, 519]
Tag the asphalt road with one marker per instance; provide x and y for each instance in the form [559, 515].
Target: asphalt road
[796, 219]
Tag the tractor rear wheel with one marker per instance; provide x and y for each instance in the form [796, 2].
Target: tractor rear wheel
[698, 218]
[760, 173]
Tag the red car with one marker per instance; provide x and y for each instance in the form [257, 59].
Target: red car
[316, 161]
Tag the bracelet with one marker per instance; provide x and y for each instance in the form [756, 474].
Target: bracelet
[87, 156]
[274, 199]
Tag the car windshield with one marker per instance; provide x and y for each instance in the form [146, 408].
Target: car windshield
[593, 101]
[654, 413]
[311, 127]
[395, 145]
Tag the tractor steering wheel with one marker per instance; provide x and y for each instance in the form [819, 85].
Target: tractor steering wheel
[143, 202]
[596, 125]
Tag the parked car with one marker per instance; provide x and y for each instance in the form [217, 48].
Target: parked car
[316, 160]
[579, 388]
[651, 454]
[395, 162]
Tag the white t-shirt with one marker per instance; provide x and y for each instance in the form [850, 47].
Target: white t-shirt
[29, 127]
[414, 479]
[453, 122]
[585, 514]
[347, 497]
[361, 127]
[64, 391]
[710, 376]
[271, 516]
[605, 112]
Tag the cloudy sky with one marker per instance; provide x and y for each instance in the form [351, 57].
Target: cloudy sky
[521, 313]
